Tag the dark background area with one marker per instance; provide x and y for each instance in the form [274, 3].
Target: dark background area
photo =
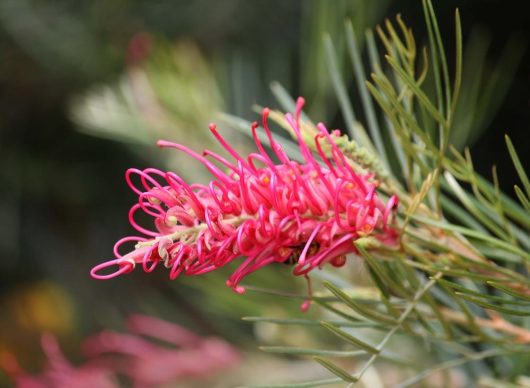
[63, 201]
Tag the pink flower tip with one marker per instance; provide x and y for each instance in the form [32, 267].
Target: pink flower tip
[240, 290]
[164, 143]
[305, 306]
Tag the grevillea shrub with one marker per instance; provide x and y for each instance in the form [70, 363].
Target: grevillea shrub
[260, 209]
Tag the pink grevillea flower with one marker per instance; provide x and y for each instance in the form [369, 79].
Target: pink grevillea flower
[178, 354]
[58, 371]
[263, 208]
[184, 355]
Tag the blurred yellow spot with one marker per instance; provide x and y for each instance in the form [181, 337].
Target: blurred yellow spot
[39, 307]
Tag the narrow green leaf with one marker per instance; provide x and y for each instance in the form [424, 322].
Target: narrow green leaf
[481, 295]
[441, 52]
[490, 306]
[349, 338]
[458, 62]
[385, 294]
[385, 279]
[512, 208]
[336, 311]
[340, 89]
[471, 233]
[334, 353]
[305, 384]
[465, 199]
[460, 214]
[476, 48]
[518, 166]
[368, 313]
[375, 65]
[336, 370]
[357, 132]
[497, 85]
[450, 272]
[495, 253]
[422, 97]
[310, 322]
[373, 54]
[508, 290]
[434, 58]
[522, 198]
[500, 217]
[406, 145]
[368, 106]
[486, 266]
[460, 260]
[311, 352]
[408, 117]
[283, 321]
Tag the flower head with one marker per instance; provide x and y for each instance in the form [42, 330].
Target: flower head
[263, 208]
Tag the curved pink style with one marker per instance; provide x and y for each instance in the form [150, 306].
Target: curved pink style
[263, 208]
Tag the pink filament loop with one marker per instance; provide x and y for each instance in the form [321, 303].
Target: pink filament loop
[125, 266]
[135, 225]
[216, 171]
[147, 258]
[144, 177]
[122, 241]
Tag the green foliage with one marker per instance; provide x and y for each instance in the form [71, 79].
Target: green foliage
[459, 278]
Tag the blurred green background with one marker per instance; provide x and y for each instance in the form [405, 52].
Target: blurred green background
[86, 87]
